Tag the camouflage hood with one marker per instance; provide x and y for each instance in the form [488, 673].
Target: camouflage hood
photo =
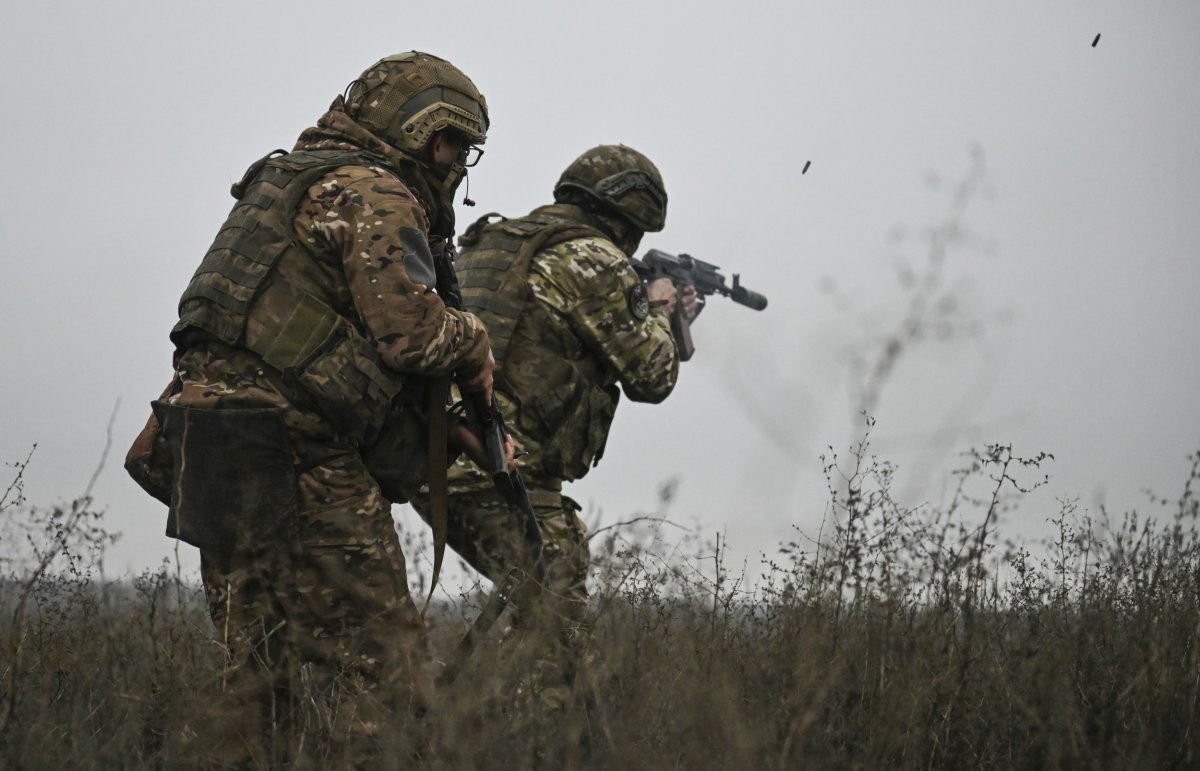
[336, 130]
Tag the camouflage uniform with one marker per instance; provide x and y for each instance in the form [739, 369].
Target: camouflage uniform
[312, 311]
[574, 327]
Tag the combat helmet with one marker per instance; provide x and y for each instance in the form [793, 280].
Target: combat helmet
[622, 179]
[406, 98]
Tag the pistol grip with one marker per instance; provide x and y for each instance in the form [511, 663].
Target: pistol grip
[682, 331]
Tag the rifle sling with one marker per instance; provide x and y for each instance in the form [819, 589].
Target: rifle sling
[439, 503]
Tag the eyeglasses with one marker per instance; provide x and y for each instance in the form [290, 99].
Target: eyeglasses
[471, 155]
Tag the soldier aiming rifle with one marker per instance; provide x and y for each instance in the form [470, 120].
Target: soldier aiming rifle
[572, 326]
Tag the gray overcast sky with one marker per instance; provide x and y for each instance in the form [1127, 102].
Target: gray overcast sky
[126, 122]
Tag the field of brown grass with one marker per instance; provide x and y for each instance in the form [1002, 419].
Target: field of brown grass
[892, 638]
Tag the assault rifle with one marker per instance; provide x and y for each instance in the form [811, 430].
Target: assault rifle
[487, 421]
[684, 270]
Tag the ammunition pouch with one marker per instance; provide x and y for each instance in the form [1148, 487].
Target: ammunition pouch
[233, 476]
[576, 418]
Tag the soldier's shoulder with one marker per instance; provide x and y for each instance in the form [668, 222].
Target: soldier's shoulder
[366, 174]
[369, 187]
[582, 253]
[579, 268]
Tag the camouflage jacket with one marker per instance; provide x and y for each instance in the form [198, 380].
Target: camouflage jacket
[580, 326]
[365, 232]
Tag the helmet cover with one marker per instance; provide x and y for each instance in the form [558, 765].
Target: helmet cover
[622, 179]
[409, 97]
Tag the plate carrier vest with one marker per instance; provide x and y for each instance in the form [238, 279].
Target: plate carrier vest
[569, 412]
[261, 289]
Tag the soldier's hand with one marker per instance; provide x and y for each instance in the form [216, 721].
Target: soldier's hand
[510, 452]
[662, 291]
[481, 380]
[690, 302]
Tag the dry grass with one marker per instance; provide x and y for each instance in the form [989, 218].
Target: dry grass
[895, 638]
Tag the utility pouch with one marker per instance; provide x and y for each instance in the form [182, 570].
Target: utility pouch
[349, 384]
[577, 429]
[234, 479]
[335, 366]
[149, 459]
[398, 459]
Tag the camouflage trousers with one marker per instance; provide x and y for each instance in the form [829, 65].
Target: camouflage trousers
[322, 634]
[482, 532]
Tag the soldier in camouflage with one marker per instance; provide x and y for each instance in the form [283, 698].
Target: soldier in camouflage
[570, 321]
[309, 325]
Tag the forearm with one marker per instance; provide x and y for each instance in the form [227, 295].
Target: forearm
[417, 333]
[642, 352]
[647, 364]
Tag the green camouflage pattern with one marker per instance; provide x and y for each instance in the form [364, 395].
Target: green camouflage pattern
[624, 180]
[482, 532]
[579, 333]
[496, 275]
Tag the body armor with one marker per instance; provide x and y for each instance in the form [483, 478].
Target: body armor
[563, 397]
[259, 288]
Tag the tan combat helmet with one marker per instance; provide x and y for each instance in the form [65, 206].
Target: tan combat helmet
[622, 179]
[407, 98]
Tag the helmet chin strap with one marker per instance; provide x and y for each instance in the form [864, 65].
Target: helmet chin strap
[444, 181]
[444, 178]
